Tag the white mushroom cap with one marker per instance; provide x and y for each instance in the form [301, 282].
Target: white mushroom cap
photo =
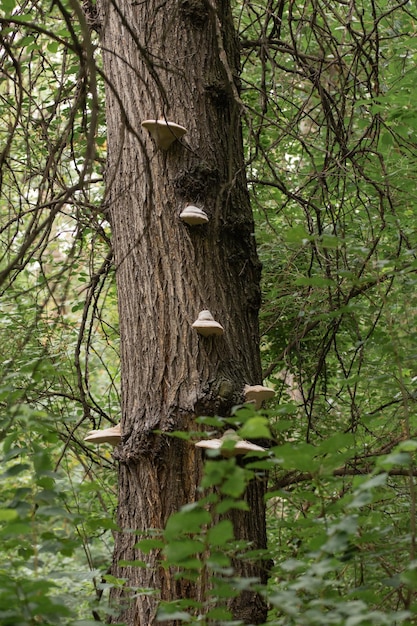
[194, 215]
[230, 444]
[107, 435]
[257, 394]
[206, 325]
[164, 133]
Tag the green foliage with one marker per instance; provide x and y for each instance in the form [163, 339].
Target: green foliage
[332, 538]
[200, 544]
[57, 345]
[328, 94]
[332, 169]
[55, 539]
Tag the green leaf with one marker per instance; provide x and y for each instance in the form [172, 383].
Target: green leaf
[235, 483]
[256, 428]
[178, 551]
[15, 470]
[393, 459]
[7, 515]
[337, 443]
[170, 611]
[53, 46]
[220, 534]
[115, 582]
[189, 519]
[314, 281]
[218, 560]
[7, 6]
[147, 545]
[297, 234]
[407, 446]
[219, 613]
[14, 529]
[227, 504]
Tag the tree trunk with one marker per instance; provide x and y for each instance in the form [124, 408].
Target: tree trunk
[177, 60]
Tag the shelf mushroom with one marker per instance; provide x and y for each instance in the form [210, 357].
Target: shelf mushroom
[107, 435]
[194, 215]
[164, 133]
[257, 394]
[230, 444]
[206, 325]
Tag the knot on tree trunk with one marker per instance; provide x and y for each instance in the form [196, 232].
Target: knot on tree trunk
[196, 11]
[250, 608]
[197, 182]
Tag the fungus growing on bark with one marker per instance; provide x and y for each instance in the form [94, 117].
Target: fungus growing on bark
[107, 435]
[230, 444]
[164, 133]
[194, 215]
[257, 394]
[206, 325]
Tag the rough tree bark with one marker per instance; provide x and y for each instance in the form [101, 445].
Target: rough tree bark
[178, 60]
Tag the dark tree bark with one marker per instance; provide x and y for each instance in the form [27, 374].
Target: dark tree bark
[177, 60]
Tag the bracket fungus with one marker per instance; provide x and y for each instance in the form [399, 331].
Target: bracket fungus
[193, 215]
[107, 435]
[257, 394]
[164, 133]
[206, 325]
[230, 444]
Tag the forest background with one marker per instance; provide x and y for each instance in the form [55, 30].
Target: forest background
[328, 92]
